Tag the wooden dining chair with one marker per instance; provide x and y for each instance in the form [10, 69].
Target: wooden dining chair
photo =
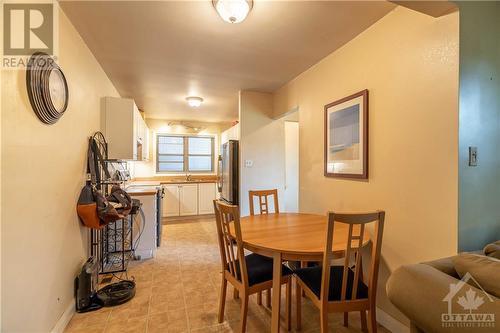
[341, 288]
[249, 274]
[262, 196]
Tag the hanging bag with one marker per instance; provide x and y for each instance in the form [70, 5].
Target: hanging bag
[87, 206]
[120, 200]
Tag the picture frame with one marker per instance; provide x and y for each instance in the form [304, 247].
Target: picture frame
[346, 137]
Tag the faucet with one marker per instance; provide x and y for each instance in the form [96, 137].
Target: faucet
[188, 177]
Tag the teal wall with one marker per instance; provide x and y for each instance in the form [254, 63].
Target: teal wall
[479, 124]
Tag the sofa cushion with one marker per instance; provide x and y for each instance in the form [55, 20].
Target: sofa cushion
[444, 265]
[485, 270]
[492, 250]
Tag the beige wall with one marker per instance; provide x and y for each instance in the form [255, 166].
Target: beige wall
[160, 126]
[409, 63]
[43, 170]
[262, 140]
[285, 99]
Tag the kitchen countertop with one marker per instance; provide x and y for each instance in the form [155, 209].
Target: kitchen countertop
[136, 192]
[196, 181]
[135, 189]
[181, 179]
[148, 186]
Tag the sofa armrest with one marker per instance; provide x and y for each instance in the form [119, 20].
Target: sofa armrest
[419, 291]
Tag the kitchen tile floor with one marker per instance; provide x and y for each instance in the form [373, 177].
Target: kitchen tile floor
[178, 292]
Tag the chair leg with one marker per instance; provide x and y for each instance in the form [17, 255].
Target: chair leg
[364, 326]
[346, 319]
[236, 294]
[298, 305]
[372, 317]
[324, 319]
[259, 298]
[268, 298]
[222, 300]
[244, 312]
[303, 264]
[288, 298]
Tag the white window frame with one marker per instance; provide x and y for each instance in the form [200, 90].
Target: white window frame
[185, 154]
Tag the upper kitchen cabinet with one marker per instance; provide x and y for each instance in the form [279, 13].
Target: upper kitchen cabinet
[232, 133]
[124, 129]
[142, 137]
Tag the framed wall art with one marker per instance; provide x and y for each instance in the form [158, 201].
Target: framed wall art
[346, 137]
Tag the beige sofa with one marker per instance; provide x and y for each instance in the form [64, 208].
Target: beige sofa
[423, 293]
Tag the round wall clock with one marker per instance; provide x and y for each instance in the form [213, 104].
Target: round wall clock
[47, 88]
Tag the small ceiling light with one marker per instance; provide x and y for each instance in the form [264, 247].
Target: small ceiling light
[194, 101]
[233, 11]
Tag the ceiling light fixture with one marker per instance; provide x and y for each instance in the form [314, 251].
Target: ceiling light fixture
[194, 101]
[185, 125]
[233, 11]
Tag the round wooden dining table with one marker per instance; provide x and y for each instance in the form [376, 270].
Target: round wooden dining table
[291, 236]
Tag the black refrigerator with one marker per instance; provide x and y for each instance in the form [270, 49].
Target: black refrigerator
[228, 172]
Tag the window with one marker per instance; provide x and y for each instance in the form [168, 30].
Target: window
[184, 153]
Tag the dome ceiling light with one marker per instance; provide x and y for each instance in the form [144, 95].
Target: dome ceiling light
[194, 101]
[233, 11]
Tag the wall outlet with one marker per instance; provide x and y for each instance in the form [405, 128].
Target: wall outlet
[248, 163]
[472, 156]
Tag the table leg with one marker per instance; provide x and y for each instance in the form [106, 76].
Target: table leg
[275, 317]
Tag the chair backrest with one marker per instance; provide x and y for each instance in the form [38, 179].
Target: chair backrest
[357, 223]
[263, 202]
[227, 218]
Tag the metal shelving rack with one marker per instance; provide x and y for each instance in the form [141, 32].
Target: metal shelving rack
[117, 246]
[112, 245]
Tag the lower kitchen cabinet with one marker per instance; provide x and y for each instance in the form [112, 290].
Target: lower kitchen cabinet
[170, 201]
[206, 196]
[188, 199]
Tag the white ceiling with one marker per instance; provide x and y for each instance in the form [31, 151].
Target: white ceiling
[158, 53]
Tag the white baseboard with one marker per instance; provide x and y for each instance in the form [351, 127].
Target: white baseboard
[391, 323]
[65, 318]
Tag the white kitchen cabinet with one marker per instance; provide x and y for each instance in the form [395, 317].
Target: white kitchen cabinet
[142, 138]
[170, 201]
[124, 129]
[232, 133]
[145, 144]
[206, 196]
[141, 128]
[188, 199]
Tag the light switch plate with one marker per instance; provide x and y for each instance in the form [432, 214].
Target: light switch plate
[248, 163]
[472, 156]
